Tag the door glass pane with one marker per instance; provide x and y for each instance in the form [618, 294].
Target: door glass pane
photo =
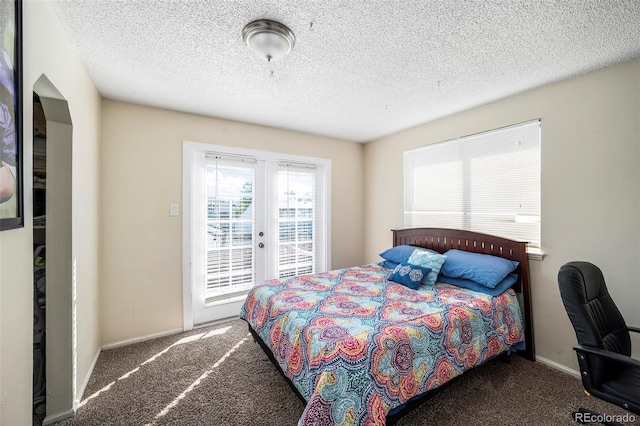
[296, 222]
[230, 265]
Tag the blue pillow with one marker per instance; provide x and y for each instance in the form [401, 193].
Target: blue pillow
[429, 259]
[398, 254]
[482, 268]
[388, 264]
[472, 285]
[409, 275]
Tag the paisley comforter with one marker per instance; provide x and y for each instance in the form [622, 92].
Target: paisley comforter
[357, 346]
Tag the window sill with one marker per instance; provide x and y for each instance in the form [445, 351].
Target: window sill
[535, 254]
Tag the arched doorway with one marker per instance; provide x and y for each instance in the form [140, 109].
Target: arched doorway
[56, 234]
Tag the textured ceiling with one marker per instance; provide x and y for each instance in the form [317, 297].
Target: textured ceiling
[359, 70]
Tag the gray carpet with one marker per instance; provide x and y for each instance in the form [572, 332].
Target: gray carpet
[219, 376]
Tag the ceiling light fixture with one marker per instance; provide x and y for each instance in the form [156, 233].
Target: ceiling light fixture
[268, 39]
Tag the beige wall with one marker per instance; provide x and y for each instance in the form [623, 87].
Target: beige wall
[47, 50]
[141, 290]
[590, 187]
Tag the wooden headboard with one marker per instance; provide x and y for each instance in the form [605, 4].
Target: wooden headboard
[441, 240]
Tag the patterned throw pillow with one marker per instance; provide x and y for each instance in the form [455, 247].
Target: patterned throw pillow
[409, 275]
[428, 259]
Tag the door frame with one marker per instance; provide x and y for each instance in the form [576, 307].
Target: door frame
[191, 152]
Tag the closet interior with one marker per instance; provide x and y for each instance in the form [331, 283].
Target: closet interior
[39, 257]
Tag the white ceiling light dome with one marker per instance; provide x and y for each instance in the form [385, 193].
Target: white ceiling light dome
[268, 39]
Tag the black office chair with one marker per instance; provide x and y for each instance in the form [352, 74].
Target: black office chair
[604, 346]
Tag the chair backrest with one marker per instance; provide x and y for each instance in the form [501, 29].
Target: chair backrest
[593, 314]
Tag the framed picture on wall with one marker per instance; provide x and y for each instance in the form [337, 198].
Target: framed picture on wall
[11, 138]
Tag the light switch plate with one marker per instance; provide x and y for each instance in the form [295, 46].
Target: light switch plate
[174, 210]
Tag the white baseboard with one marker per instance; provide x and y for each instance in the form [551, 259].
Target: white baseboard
[83, 387]
[558, 366]
[72, 411]
[58, 417]
[140, 339]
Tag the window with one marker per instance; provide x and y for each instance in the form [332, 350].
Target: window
[296, 220]
[229, 213]
[488, 182]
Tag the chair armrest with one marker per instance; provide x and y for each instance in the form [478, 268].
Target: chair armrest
[612, 356]
[634, 329]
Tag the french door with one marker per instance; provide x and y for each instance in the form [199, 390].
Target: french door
[252, 219]
[230, 217]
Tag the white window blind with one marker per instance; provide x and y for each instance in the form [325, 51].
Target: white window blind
[296, 219]
[488, 182]
[229, 213]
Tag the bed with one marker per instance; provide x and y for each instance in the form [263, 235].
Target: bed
[359, 349]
